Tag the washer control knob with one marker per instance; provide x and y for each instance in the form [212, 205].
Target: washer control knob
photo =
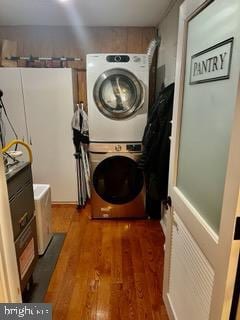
[118, 147]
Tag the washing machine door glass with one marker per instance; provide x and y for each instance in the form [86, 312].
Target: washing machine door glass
[118, 94]
[118, 180]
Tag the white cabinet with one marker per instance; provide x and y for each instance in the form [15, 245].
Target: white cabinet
[42, 199]
[47, 99]
[48, 95]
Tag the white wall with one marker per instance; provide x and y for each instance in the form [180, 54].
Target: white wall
[168, 30]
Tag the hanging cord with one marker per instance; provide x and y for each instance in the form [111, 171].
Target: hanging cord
[2, 134]
[12, 158]
[25, 111]
[2, 128]
[5, 112]
[11, 143]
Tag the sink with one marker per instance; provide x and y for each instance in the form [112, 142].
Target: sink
[10, 169]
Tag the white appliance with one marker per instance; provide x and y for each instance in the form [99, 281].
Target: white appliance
[117, 89]
[40, 104]
[42, 198]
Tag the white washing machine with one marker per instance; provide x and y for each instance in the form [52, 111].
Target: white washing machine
[117, 88]
[118, 188]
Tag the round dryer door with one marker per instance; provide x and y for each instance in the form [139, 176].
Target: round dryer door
[117, 180]
[118, 94]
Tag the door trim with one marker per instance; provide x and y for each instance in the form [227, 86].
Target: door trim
[9, 278]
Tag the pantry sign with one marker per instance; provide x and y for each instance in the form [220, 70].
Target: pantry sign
[212, 64]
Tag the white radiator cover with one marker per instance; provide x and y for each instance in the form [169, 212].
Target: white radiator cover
[191, 276]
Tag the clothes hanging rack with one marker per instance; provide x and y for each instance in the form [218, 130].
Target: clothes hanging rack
[32, 58]
[61, 61]
[83, 173]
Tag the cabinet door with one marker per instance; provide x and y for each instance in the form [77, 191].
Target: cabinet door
[49, 109]
[11, 85]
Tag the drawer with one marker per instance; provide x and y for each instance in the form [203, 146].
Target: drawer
[22, 209]
[18, 180]
[27, 252]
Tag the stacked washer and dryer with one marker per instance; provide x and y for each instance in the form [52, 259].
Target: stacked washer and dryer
[117, 87]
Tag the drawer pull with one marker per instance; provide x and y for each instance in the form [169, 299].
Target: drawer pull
[23, 221]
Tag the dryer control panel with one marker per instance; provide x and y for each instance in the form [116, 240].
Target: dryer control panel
[123, 58]
[117, 58]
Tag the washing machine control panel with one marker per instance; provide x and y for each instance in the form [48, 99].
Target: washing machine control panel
[109, 147]
[134, 147]
[118, 58]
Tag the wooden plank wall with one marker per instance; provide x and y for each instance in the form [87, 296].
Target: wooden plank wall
[58, 41]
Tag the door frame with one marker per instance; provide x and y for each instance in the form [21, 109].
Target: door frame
[9, 278]
[224, 272]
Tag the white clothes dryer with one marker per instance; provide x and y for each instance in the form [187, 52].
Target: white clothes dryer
[117, 88]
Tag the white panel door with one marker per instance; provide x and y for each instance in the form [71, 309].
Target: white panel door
[13, 99]
[48, 97]
[205, 163]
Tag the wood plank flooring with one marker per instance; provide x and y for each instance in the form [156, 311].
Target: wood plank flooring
[107, 270]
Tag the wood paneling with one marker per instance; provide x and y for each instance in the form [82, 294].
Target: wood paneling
[78, 41]
[134, 40]
[120, 37]
[60, 41]
[110, 270]
[82, 86]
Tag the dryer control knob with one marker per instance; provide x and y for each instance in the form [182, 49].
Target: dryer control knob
[118, 147]
[117, 58]
[136, 59]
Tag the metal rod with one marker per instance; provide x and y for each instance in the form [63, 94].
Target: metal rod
[31, 58]
[78, 187]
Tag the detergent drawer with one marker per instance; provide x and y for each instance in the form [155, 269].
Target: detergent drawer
[18, 178]
[21, 199]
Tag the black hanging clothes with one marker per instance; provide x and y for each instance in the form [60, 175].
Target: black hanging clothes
[156, 151]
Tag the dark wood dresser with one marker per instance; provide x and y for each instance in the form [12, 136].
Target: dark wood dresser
[21, 199]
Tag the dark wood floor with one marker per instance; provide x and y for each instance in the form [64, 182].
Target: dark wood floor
[107, 269]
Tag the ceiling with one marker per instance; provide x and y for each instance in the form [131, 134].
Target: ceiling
[83, 12]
